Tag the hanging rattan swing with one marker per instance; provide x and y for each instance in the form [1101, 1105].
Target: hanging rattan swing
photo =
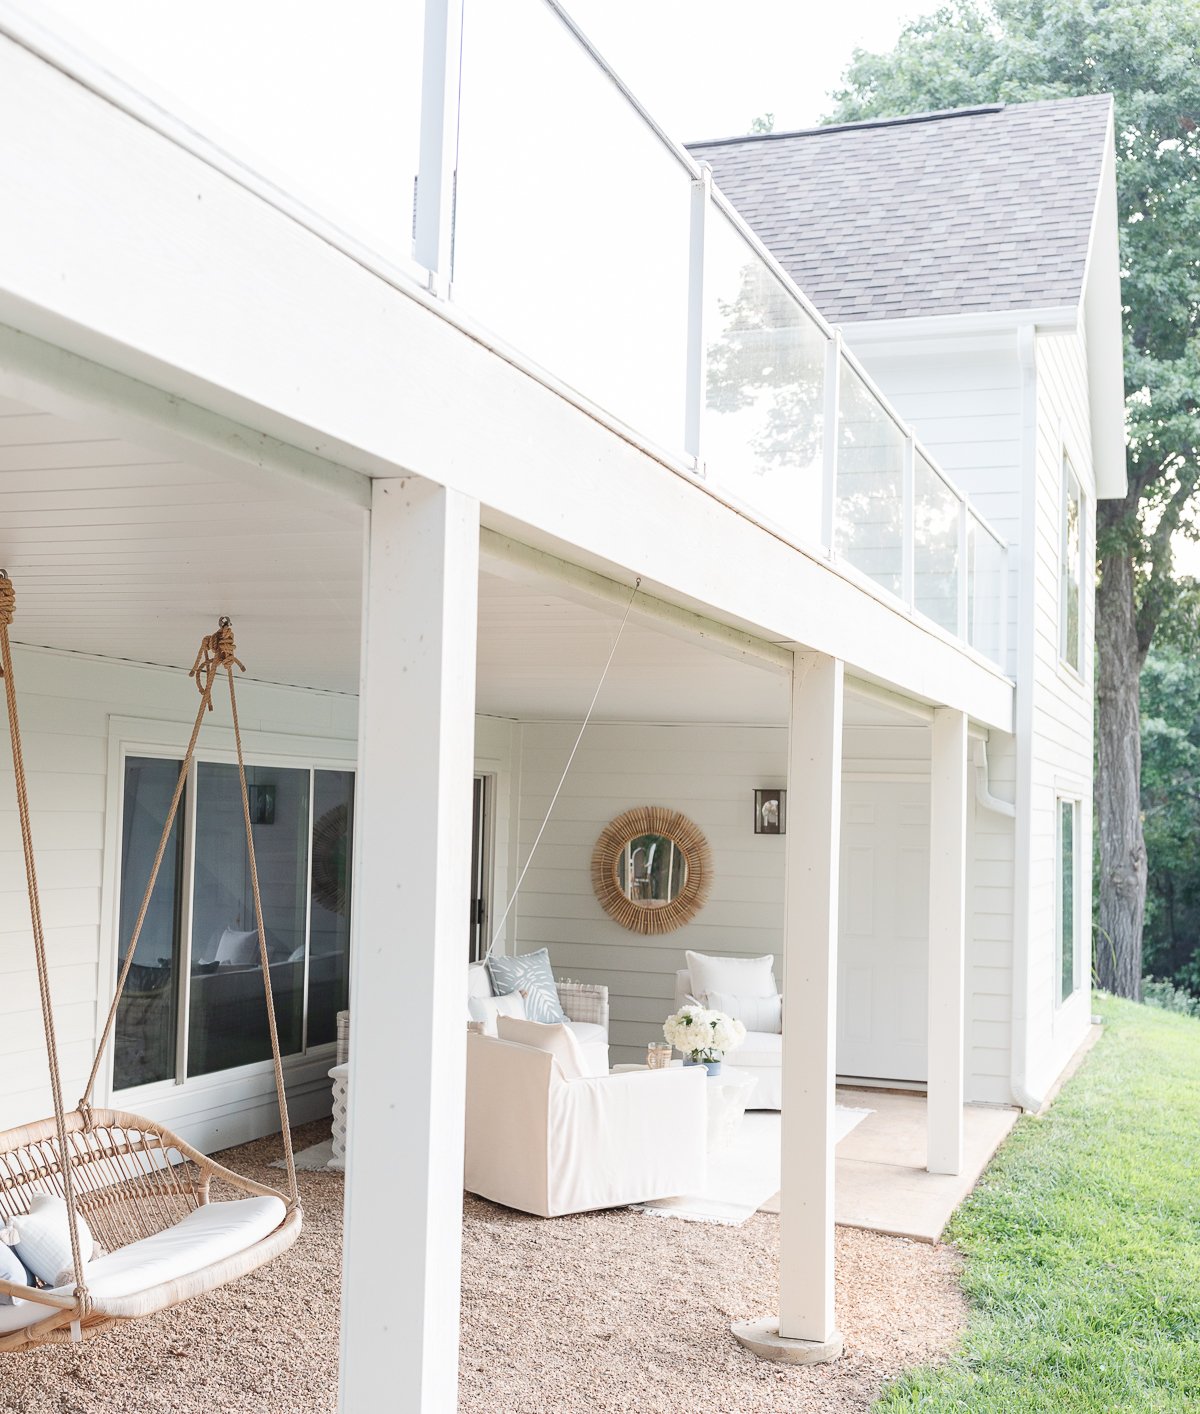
[142, 1191]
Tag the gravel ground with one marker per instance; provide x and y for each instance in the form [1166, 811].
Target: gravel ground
[619, 1312]
[602, 1313]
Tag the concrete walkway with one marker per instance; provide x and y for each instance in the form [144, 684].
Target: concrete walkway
[881, 1183]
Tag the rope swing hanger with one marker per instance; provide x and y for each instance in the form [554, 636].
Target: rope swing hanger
[129, 1177]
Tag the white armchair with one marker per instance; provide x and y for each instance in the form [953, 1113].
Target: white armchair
[543, 1144]
[586, 1006]
[760, 1054]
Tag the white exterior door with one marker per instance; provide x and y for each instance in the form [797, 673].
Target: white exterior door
[883, 937]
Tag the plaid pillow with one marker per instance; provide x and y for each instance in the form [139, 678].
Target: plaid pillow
[530, 975]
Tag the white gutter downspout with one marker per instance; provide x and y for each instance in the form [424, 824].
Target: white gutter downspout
[983, 789]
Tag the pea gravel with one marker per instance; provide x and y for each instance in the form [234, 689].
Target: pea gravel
[602, 1312]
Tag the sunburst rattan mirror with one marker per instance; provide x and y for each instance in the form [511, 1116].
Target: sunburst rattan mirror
[651, 870]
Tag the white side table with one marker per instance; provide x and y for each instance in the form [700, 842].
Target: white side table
[340, 1075]
[728, 1095]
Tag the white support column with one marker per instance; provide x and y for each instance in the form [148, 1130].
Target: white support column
[412, 850]
[805, 1330]
[947, 935]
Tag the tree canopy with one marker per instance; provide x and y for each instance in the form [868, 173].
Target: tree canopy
[1145, 53]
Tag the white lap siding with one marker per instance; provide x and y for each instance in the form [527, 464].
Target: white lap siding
[710, 773]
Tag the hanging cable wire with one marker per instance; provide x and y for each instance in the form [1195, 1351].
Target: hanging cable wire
[512, 898]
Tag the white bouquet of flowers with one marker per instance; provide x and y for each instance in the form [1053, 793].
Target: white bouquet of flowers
[703, 1036]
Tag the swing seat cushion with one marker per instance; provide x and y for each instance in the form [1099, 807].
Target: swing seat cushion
[211, 1234]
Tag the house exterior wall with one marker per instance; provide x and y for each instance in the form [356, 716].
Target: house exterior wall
[999, 411]
[1061, 733]
[709, 773]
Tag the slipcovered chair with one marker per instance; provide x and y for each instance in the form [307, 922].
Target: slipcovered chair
[586, 1006]
[546, 1145]
[760, 1054]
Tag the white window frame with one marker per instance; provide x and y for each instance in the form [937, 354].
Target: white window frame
[1076, 805]
[1069, 476]
[167, 740]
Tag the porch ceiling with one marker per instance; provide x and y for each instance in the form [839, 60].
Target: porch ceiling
[122, 549]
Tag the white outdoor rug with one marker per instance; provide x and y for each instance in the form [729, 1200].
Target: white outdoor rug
[742, 1176]
[315, 1159]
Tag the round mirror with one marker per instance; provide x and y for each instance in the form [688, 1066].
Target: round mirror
[651, 870]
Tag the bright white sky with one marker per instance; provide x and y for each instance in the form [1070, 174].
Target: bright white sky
[706, 68]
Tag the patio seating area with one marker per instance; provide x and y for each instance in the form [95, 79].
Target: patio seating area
[616, 1311]
[640, 1323]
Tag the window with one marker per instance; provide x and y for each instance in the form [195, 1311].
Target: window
[1071, 609]
[1068, 915]
[194, 1002]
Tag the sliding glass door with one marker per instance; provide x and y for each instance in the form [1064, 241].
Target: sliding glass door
[178, 1021]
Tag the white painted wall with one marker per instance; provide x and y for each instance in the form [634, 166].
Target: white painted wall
[1062, 750]
[996, 428]
[709, 773]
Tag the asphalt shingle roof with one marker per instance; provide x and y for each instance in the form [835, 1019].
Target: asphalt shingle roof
[967, 211]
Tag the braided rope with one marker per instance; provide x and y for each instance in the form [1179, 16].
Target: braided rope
[204, 681]
[227, 662]
[7, 607]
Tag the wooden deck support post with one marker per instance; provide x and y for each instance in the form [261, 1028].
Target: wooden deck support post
[805, 1331]
[947, 935]
[404, 1161]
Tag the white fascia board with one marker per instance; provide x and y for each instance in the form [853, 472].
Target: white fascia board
[1104, 340]
[183, 279]
[985, 326]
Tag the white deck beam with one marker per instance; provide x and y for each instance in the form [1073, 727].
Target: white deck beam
[400, 1303]
[947, 933]
[805, 1330]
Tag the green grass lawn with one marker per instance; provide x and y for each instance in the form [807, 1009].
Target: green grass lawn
[1082, 1242]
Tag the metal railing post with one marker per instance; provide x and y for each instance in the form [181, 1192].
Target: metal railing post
[908, 533]
[833, 394]
[697, 352]
[433, 219]
[1002, 612]
[964, 628]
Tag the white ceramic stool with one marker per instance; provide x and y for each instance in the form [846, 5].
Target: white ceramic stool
[340, 1075]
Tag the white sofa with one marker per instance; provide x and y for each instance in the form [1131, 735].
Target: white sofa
[760, 1054]
[544, 1144]
[586, 1006]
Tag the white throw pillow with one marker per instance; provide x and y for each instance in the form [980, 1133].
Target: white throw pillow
[762, 1014]
[44, 1239]
[489, 1009]
[737, 976]
[557, 1038]
[237, 948]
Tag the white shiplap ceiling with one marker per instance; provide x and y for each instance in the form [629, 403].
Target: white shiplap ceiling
[116, 551]
[119, 547]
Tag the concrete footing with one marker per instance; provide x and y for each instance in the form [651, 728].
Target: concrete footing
[763, 1339]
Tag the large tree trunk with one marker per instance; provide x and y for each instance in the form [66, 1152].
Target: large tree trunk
[1119, 783]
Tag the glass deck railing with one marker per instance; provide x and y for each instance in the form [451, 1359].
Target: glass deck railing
[588, 241]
